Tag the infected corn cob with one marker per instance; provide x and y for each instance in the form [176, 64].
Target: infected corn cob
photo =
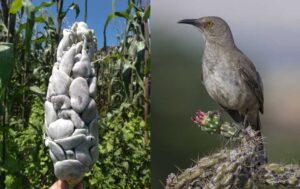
[71, 130]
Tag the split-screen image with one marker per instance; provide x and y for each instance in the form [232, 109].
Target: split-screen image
[149, 94]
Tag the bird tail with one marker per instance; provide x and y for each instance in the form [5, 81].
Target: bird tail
[254, 120]
[257, 126]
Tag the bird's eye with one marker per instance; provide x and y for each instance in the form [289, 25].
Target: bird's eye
[209, 24]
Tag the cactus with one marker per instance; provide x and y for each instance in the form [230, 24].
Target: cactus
[211, 122]
[71, 130]
[243, 166]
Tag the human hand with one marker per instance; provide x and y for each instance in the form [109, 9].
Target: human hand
[64, 185]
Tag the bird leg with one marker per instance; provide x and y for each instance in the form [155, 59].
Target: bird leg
[221, 110]
[245, 122]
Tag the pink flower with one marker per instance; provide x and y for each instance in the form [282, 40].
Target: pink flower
[199, 118]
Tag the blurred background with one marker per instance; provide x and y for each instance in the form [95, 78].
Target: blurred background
[268, 32]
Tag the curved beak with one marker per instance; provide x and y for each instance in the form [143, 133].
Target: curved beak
[189, 21]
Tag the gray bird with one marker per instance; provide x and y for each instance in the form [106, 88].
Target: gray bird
[228, 75]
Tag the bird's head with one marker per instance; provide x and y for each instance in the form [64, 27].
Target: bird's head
[214, 29]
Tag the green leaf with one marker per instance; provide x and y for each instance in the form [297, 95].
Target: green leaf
[41, 39]
[109, 147]
[21, 27]
[75, 7]
[125, 14]
[39, 19]
[36, 89]
[93, 181]
[72, 6]
[15, 6]
[44, 5]
[122, 15]
[3, 28]
[6, 63]
[147, 14]
[108, 19]
[28, 7]
[140, 46]
[2, 109]
[29, 31]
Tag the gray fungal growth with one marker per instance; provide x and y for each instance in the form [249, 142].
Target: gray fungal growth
[71, 130]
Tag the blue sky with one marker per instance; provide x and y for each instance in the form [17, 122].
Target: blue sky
[98, 10]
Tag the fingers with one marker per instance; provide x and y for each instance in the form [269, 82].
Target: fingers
[59, 185]
[64, 185]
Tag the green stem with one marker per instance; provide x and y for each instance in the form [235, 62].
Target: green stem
[4, 121]
[60, 4]
[85, 10]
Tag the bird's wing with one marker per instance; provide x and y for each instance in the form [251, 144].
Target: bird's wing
[252, 79]
[201, 74]
[234, 114]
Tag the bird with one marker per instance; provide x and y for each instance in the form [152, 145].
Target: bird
[228, 75]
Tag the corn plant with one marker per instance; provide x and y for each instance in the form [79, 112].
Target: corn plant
[31, 33]
[123, 82]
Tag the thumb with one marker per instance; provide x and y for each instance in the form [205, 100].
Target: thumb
[59, 185]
